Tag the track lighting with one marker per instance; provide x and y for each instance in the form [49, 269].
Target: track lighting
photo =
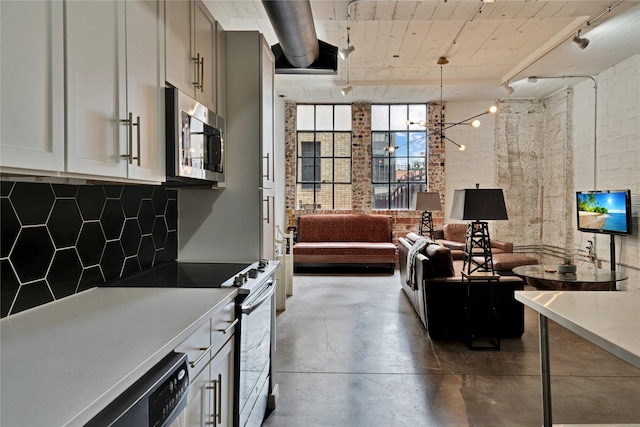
[344, 53]
[508, 88]
[582, 42]
[345, 90]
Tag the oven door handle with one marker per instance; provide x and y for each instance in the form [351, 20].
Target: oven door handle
[248, 309]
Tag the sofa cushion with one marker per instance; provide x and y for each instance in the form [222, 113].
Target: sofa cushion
[344, 228]
[344, 248]
[455, 232]
[441, 261]
[509, 261]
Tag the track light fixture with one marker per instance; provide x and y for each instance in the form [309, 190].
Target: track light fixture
[508, 88]
[345, 90]
[471, 121]
[582, 42]
[344, 53]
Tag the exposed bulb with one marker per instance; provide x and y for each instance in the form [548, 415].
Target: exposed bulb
[461, 147]
[423, 123]
[475, 123]
[493, 109]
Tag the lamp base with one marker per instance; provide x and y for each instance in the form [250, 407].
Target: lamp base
[426, 224]
[477, 238]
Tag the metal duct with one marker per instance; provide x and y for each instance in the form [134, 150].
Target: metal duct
[292, 21]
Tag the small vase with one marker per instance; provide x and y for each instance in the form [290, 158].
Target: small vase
[564, 268]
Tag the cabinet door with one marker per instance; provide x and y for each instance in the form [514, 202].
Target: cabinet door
[96, 91]
[266, 114]
[268, 224]
[221, 403]
[144, 27]
[205, 46]
[32, 85]
[180, 67]
[221, 71]
[198, 408]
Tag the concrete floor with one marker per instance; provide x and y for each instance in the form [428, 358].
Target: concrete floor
[351, 351]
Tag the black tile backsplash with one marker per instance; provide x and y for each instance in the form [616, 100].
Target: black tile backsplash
[58, 239]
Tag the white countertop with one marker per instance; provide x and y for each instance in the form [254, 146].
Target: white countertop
[61, 363]
[608, 319]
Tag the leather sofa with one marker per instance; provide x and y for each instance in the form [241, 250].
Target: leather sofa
[441, 298]
[453, 236]
[344, 239]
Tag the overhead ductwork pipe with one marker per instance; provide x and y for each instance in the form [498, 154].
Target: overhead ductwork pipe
[292, 21]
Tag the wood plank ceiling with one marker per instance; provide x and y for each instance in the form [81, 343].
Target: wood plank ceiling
[398, 44]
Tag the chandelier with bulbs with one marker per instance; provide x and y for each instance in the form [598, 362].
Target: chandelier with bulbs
[441, 124]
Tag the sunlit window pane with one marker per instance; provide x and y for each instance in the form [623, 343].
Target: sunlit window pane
[324, 117]
[379, 117]
[342, 117]
[398, 117]
[305, 117]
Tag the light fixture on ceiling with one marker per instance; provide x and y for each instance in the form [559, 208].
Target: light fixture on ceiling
[506, 87]
[471, 121]
[582, 42]
[344, 53]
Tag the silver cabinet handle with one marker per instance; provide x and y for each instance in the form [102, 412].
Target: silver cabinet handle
[219, 399]
[204, 350]
[196, 82]
[224, 331]
[268, 218]
[268, 167]
[214, 402]
[137, 125]
[129, 122]
[201, 74]
[130, 125]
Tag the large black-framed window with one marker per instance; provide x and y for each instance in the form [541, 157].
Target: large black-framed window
[323, 177]
[398, 155]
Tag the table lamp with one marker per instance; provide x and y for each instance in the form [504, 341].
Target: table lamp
[478, 205]
[427, 202]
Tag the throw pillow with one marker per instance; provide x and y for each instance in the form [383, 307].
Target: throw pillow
[441, 260]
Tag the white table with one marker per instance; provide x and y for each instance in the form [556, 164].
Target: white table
[610, 320]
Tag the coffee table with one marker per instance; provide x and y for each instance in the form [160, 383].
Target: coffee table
[584, 279]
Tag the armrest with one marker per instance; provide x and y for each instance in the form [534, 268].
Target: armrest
[505, 246]
[452, 245]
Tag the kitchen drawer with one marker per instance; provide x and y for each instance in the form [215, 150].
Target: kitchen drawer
[197, 348]
[222, 327]
[209, 339]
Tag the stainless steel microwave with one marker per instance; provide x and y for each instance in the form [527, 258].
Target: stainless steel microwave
[195, 142]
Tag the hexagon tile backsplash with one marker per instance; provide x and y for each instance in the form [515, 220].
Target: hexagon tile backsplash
[58, 240]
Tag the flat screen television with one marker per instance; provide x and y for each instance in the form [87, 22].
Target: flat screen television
[606, 211]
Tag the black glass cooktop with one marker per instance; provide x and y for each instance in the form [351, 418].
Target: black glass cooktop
[182, 275]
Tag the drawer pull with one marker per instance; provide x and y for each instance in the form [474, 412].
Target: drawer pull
[204, 350]
[224, 331]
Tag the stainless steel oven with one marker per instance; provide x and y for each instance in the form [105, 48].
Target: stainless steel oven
[257, 340]
[255, 331]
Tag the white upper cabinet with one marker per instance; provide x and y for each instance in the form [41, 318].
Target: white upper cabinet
[114, 89]
[32, 85]
[145, 96]
[191, 50]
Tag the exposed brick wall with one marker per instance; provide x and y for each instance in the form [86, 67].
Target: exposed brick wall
[403, 221]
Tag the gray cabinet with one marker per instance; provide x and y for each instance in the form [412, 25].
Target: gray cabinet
[191, 50]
